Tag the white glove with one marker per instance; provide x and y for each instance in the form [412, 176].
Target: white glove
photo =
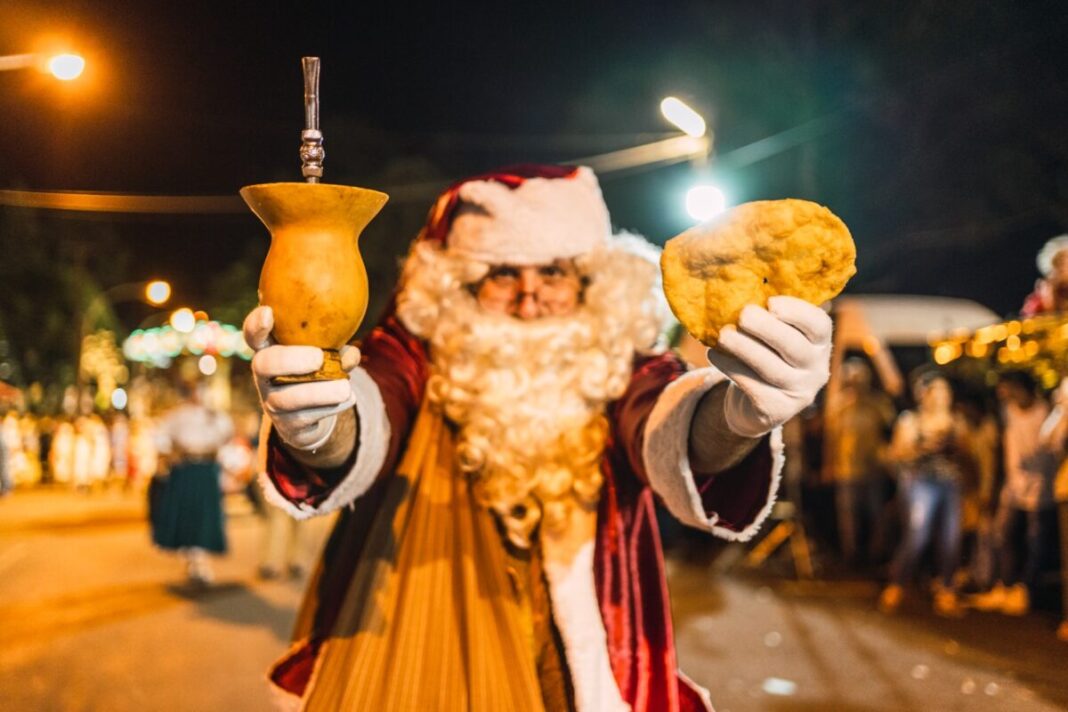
[303, 414]
[777, 360]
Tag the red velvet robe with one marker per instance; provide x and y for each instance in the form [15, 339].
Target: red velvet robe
[629, 562]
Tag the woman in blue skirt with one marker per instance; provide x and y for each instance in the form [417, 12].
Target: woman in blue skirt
[186, 512]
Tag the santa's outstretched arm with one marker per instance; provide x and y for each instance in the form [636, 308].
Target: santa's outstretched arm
[712, 443]
[325, 443]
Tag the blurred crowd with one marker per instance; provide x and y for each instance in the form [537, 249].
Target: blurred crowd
[958, 488]
[93, 452]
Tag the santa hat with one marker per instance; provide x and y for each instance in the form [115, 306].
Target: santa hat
[1048, 252]
[522, 215]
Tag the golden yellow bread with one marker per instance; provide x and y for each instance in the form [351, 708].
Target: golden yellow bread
[755, 251]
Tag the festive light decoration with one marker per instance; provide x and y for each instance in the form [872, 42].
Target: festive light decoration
[159, 346]
[1038, 344]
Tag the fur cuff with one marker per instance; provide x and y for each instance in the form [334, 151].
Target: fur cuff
[667, 459]
[372, 446]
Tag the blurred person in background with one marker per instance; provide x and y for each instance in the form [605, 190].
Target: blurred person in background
[31, 449]
[120, 448]
[1055, 437]
[930, 449]
[1051, 290]
[144, 458]
[6, 481]
[283, 545]
[1026, 495]
[187, 514]
[82, 459]
[46, 428]
[61, 453]
[978, 506]
[100, 447]
[859, 423]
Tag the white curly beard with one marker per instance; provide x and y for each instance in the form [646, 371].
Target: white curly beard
[529, 398]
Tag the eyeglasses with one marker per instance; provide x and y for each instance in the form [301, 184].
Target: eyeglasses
[554, 286]
[550, 279]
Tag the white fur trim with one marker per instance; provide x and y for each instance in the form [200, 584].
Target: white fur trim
[541, 220]
[372, 446]
[706, 698]
[667, 458]
[578, 616]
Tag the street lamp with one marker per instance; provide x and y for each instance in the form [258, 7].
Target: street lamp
[65, 67]
[681, 115]
[705, 200]
[157, 292]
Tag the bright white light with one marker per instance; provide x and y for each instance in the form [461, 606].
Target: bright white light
[183, 320]
[678, 113]
[779, 687]
[704, 202]
[207, 364]
[66, 66]
[118, 398]
[157, 292]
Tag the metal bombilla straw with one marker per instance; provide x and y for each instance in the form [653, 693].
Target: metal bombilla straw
[311, 138]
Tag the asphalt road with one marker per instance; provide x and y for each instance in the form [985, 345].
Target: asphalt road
[93, 618]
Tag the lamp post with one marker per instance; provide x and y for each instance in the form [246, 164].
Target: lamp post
[65, 67]
[705, 200]
[682, 116]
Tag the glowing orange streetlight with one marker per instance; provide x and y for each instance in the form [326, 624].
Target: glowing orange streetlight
[65, 67]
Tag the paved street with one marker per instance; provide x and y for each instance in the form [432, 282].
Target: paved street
[92, 618]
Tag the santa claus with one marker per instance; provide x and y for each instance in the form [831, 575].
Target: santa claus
[496, 455]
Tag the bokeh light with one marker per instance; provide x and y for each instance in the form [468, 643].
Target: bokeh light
[183, 320]
[207, 364]
[157, 292]
[119, 398]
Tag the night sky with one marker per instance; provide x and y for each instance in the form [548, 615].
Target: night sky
[935, 129]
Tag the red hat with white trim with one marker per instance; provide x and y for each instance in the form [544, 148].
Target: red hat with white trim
[529, 214]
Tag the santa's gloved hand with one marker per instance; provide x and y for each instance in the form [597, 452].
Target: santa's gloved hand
[303, 414]
[777, 360]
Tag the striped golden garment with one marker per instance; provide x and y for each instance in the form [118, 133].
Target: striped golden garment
[432, 620]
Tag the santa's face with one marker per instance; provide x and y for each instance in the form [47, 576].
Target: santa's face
[531, 292]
